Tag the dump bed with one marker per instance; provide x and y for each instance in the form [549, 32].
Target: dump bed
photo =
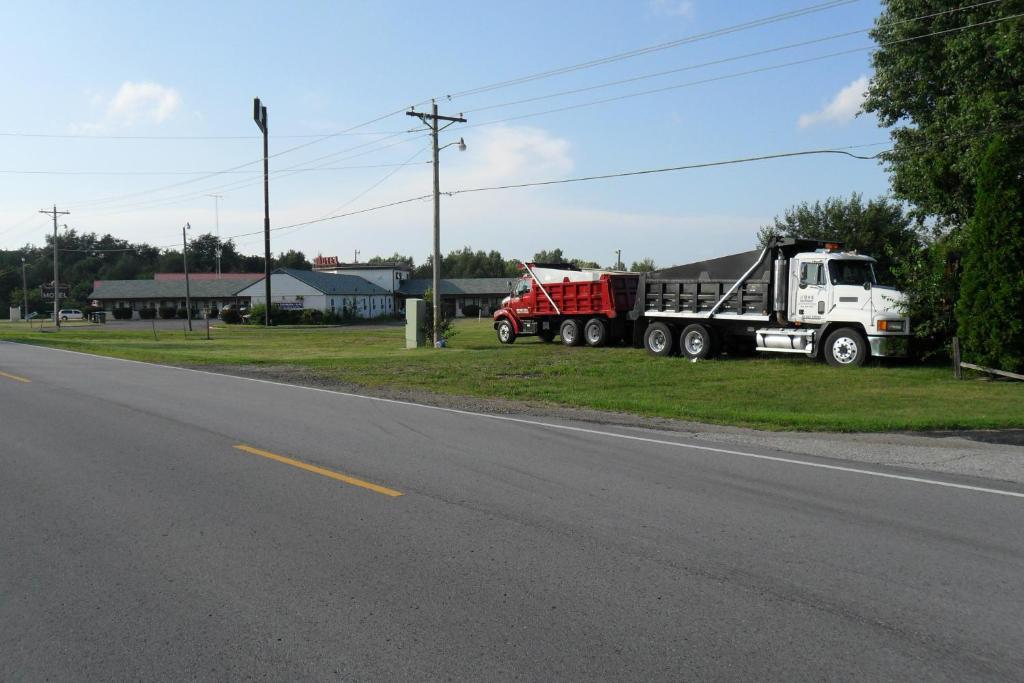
[695, 288]
[611, 294]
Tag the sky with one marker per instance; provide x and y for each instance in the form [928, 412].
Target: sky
[154, 99]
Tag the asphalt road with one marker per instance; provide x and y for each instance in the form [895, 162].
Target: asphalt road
[137, 541]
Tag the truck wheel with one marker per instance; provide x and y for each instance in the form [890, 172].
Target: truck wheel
[696, 342]
[658, 340]
[546, 336]
[506, 333]
[571, 333]
[846, 346]
[595, 332]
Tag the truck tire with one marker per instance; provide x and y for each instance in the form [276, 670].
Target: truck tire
[696, 342]
[506, 333]
[571, 333]
[595, 332]
[546, 336]
[846, 347]
[658, 340]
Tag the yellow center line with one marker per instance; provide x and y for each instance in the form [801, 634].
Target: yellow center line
[23, 380]
[319, 470]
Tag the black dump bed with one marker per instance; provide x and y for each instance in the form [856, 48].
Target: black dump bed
[696, 287]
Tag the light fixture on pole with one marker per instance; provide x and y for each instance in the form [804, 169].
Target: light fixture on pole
[188, 293]
[431, 120]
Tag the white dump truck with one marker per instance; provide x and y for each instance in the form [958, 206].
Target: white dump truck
[796, 296]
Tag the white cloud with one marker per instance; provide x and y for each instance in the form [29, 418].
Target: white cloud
[674, 8]
[146, 100]
[843, 107]
[134, 102]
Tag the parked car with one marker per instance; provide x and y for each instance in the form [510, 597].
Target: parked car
[70, 314]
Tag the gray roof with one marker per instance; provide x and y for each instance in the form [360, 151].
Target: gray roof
[331, 283]
[167, 289]
[454, 286]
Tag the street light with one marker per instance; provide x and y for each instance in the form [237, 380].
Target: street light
[184, 256]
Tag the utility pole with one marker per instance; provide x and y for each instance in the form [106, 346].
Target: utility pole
[259, 114]
[216, 218]
[618, 260]
[431, 121]
[188, 293]
[56, 273]
[24, 289]
[355, 256]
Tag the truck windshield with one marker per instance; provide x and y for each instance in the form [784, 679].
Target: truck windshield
[522, 287]
[851, 272]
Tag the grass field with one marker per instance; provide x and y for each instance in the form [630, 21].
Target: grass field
[768, 393]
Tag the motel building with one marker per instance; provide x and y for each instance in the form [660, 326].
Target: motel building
[306, 289]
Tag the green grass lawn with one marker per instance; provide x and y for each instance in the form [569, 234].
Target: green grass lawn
[769, 392]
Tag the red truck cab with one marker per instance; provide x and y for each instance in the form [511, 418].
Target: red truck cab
[577, 305]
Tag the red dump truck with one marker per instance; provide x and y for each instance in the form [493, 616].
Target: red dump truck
[577, 305]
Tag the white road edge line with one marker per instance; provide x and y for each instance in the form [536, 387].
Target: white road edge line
[568, 428]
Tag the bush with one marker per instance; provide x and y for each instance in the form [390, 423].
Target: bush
[167, 312]
[258, 314]
[230, 316]
[147, 313]
[312, 317]
[471, 310]
[180, 313]
[122, 313]
[214, 312]
[445, 329]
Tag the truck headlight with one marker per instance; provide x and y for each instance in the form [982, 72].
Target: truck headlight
[889, 325]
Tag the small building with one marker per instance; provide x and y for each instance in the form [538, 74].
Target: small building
[457, 293]
[389, 276]
[291, 288]
[168, 293]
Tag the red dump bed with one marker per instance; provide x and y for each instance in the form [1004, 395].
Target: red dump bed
[611, 295]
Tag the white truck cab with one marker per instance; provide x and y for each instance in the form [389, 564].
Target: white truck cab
[827, 288]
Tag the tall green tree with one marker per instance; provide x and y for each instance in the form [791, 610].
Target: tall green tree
[990, 312]
[944, 96]
[644, 266]
[292, 259]
[880, 228]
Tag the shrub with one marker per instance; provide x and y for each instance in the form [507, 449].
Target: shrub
[122, 313]
[180, 313]
[230, 316]
[258, 314]
[147, 313]
[167, 312]
[312, 317]
[214, 312]
[471, 310]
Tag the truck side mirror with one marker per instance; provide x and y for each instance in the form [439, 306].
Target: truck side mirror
[867, 285]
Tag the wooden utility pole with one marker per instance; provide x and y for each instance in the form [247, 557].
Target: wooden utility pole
[431, 121]
[188, 292]
[56, 272]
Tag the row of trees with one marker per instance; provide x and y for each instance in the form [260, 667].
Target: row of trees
[465, 263]
[952, 236]
[86, 257]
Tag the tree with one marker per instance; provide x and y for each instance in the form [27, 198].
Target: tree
[947, 94]
[880, 228]
[645, 266]
[989, 311]
[293, 259]
[553, 256]
[394, 258]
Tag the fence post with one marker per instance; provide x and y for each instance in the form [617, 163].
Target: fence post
[957, 370]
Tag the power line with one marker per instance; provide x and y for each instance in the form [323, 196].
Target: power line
[724, 60]
[76, 136]
[151, 173]
[739, 74]
[756, 23]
